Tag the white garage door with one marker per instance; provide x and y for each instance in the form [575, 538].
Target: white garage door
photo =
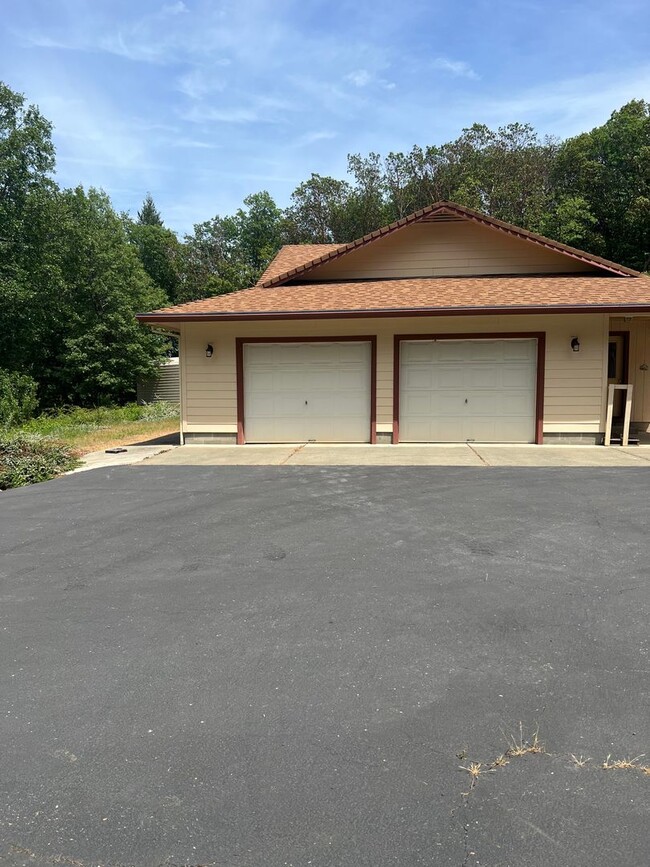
[301, 392]
[468, 391]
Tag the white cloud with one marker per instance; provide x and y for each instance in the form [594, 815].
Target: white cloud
[572, 105]
[459, 68]
[310, 138]
[174, 8]
[198, 83]
[359, 78]
[196, 144]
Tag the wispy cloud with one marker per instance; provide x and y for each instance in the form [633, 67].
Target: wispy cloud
[199, 83]
[310, 138]
[174, 8]
[147, 91]
[459, 68]
[359, 78]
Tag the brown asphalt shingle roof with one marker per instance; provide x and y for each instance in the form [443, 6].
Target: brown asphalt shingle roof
[272, 297]
[427, 293]
[294, 255]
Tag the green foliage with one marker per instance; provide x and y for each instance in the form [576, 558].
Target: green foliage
[160, 254]
[149, 215]
[18, 400]
[69, 422]
[609, 168]
[229, 253]
[25, 460]
[317, 214]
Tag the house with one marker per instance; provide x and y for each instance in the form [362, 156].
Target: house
[446, 326]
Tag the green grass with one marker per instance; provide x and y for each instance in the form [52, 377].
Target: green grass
[52, 443]
[73, 424]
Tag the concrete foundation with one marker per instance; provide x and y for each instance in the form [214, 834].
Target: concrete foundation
[574, 439]
[206, 439]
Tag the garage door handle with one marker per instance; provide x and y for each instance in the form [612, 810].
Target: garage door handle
[306, 402]
[465, 400]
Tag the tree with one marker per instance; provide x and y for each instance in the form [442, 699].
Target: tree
[609, 169]
[317, 213]
[26, 161]
[76, 332]
[259, 228]
[149, 215]
[229, 253]
[159, 251]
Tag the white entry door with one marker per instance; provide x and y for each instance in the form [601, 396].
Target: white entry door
[468, 391]
[302, 392]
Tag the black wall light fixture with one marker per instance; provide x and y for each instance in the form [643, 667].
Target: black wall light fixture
[575, 344]
[209, 351]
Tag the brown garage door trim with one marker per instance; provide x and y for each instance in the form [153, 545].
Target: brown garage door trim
[539, 336]
[364, 338]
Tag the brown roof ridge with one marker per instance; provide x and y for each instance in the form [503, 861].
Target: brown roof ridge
[451, 208]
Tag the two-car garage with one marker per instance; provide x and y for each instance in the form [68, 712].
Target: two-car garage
[447, 390]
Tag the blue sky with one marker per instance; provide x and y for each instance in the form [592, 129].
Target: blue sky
[202, 103]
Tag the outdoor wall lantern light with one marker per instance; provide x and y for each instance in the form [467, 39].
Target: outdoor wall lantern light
[209, 350]
[575, 344]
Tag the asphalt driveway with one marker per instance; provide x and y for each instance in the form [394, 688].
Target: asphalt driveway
[272, 666]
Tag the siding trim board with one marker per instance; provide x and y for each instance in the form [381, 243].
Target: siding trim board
[539, 336]
[239, 364]
[392, 313]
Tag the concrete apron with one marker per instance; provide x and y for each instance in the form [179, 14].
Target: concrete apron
[456, 455]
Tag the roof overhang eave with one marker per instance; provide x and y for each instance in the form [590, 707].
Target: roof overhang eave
[393, 312]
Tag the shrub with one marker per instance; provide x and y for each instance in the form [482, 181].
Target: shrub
[25, 460]
[18, 400]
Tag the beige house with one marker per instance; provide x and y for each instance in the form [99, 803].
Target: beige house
[446, 326]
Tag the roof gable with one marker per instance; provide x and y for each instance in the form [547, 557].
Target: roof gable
[519, 251]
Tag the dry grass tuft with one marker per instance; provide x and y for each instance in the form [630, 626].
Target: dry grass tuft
[580, 761]
[474, 769]
[522, 746]
[623, 764]
[500, 762]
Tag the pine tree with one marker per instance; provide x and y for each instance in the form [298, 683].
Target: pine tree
[149, 215]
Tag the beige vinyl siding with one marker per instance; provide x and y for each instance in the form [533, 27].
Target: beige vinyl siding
[639, 336]
[447, 249]
[574, 380]
[165, 386]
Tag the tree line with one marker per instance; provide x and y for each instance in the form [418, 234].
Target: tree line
[73, 271]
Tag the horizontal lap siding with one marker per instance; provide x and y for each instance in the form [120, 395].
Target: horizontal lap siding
[447, 249]
[574, 380]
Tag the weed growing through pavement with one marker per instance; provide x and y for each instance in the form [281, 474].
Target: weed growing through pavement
[624, 764]
[523, 747]
[516, 749]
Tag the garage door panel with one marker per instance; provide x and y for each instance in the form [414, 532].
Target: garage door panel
[460, 390]
[481, 376]
[294, 392]
[421, 351]
[448, 377]
[418, 377]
